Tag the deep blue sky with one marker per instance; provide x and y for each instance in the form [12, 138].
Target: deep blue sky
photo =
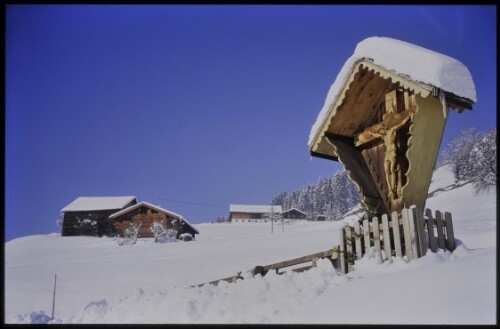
[202, 104]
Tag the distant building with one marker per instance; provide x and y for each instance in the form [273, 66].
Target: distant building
[147, 213]
[90, 215]
[294, 213]
[320, 218]
[252, 213]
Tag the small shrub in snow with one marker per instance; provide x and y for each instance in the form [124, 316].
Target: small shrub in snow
[157, 229]
[130, 234]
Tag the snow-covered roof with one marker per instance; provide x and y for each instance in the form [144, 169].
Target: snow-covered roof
[84, 203]
[428, 68]
[255, 208]
[288, 210]
[152, 206]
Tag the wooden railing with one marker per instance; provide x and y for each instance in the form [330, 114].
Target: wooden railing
[408, 235]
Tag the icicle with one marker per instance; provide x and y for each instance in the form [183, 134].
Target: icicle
[443, 101]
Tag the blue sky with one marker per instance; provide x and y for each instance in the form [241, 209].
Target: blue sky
[195, 107]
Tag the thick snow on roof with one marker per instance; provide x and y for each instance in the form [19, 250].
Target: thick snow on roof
[152, 206]
[417, 63]
[254, 208]
[84, 203]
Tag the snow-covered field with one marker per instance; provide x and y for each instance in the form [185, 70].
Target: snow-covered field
[99, 281]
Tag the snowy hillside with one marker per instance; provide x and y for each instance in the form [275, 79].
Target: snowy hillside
[102, 282]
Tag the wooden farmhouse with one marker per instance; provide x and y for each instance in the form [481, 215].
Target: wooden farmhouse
[384, 117]
[294, 213]
[147, 213]
[252, 213]
[90, 215]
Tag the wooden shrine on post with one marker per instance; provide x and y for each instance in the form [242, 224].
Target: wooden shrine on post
[385, 125]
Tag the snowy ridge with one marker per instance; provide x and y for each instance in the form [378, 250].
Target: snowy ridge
[101, 282]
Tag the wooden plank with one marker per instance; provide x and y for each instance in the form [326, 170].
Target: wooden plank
[450, 237]
[366, 234]
[357, 231]
[376, 236]
[430, 230]
[406, 234]
[413, 233]
[419, 225]
[349, 249]
[440, 231]
[396, 234]
[387, 239]
[296, 261]
[342, 251]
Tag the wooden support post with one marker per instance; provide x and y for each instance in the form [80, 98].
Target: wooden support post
[387, 239]
[430, 230]
[450, 237]
[54, 296]
[396, 234]
[407, 234]
[376, 236]
[440, 231]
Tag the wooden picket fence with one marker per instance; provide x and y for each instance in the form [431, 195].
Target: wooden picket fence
[408, 235]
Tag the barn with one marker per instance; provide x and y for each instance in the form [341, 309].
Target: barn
[146, 213]
[90, 215]
[252, 213]
[294, 213]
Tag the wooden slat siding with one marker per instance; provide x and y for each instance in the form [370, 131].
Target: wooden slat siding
[387, 239]
[440, 231]
[366, 234]
[430, 230]
[450, 237]
[420, 233]
[413, 233]
[376, 236]
[359, 250]
[349, 249]
[342, 251]
[407, 234]
[396, 234]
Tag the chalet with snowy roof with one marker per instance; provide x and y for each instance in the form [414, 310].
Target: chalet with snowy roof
[294, 213]
[90, 215]
[384, 116]
[146, 214]
[252, 213]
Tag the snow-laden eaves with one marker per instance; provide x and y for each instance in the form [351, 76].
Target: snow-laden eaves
[152, 206]
[98, 203]
[255, 208]
[415, 63]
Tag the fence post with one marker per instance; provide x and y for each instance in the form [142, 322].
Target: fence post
[396, 234]
[406, 234]
[450, 237]
[349, 251]
[376, 236]
[366, 233]
[357, 233]
[54, 296]
[342, 252]
[440, 232]
[419, 226]
[387, 239]
[430, 230]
